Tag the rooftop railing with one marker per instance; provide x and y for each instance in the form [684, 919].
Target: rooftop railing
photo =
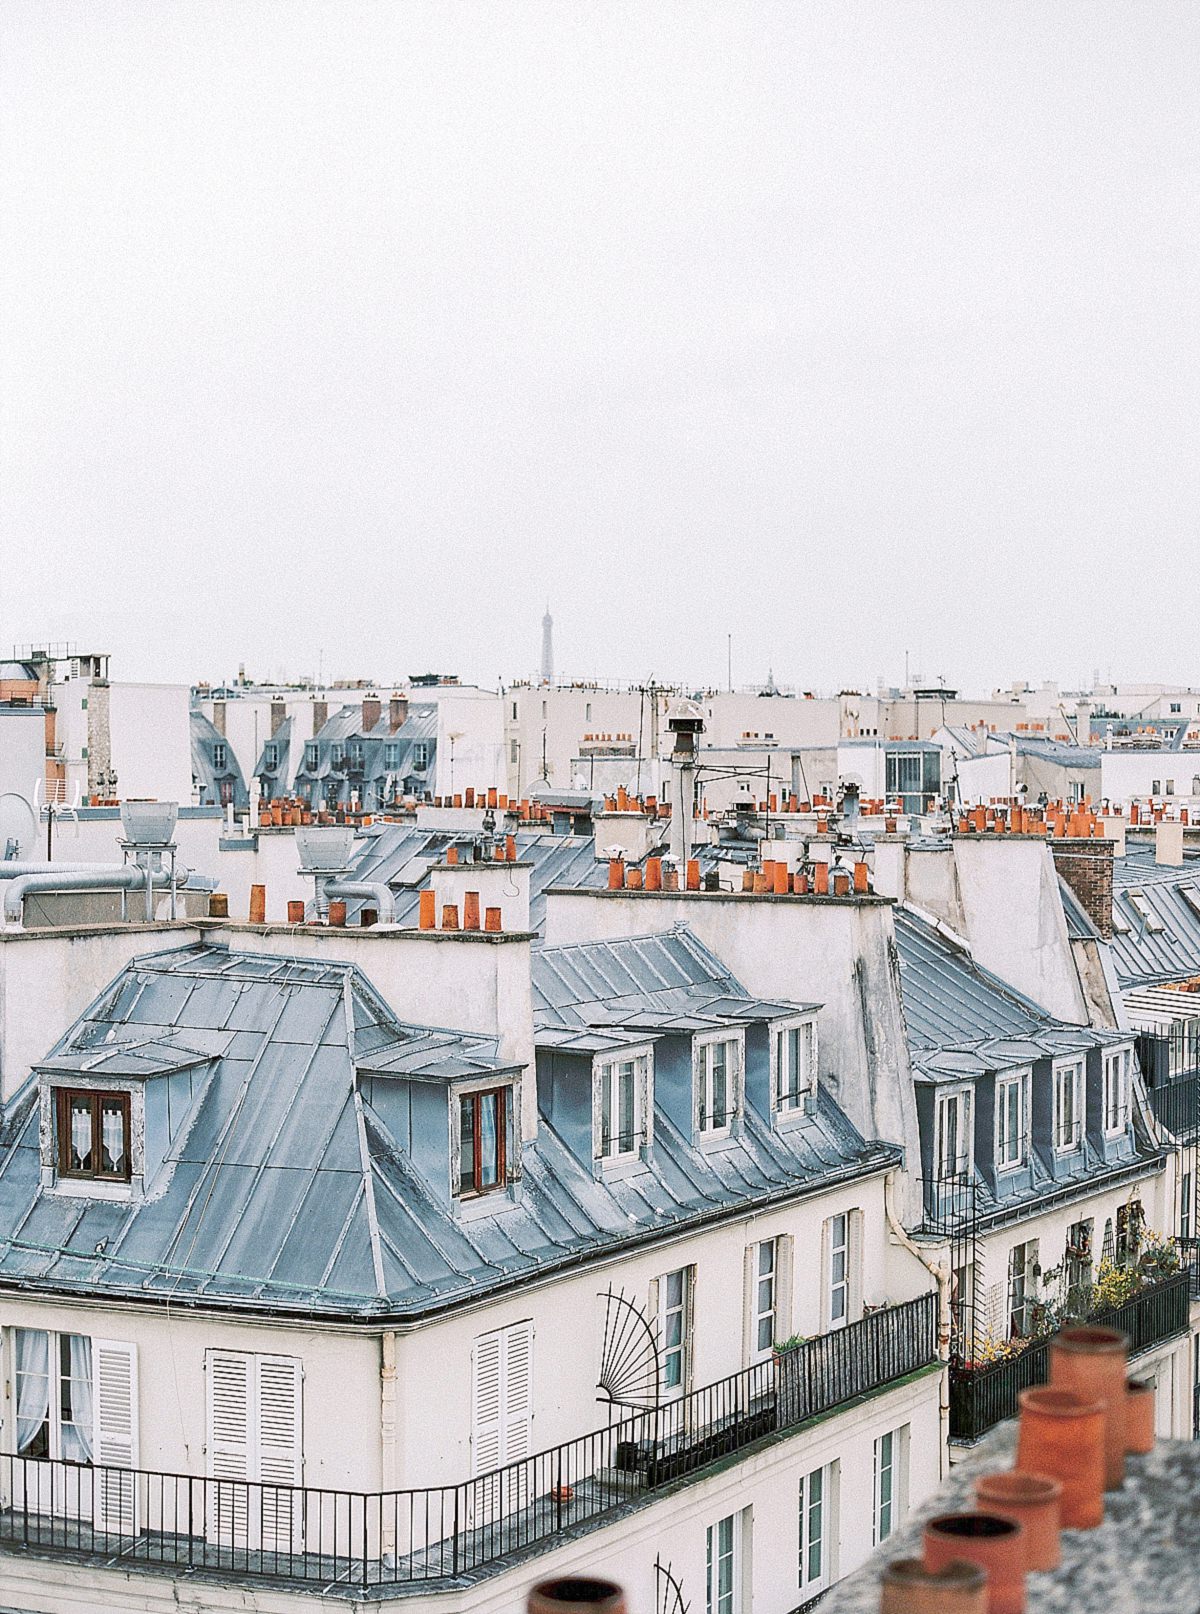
[981, 1397]
[394, 1539]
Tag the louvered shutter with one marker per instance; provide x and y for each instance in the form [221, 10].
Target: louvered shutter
[115, 1434]
[230, 1394]
[501, 1419]
[749, 1304]
[854, 1258]
[279, 1448]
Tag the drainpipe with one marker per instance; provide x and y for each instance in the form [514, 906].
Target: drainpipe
[388, 1419]
[941, 1271]
[374, 890]
[101, 878]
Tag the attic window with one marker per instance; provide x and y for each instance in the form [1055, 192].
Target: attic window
[1144, 911]
[420, 754]
[1192, 897]
[485, 1140]
[311, 757]
[93, 1135]
[794, 1052]
[1119, 922]
[270, 756]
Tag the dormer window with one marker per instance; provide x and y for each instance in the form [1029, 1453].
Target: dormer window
[94, 1135]
[311, 757]
[1012, 1120]
[220, 756]
[621, 1098]
[270, 756]
[1068, 1107]
[420, 755]
[717, 1067]
[485, 1140]
[794, 1072]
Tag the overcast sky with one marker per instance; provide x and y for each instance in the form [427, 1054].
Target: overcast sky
[347, 334]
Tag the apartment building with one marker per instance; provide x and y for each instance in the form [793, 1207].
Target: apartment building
[605, 1270]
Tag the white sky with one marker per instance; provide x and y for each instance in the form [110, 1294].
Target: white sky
[357, 331]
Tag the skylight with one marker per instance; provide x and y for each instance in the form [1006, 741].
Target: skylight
[1144, 911]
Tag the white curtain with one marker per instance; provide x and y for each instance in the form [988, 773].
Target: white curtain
[33, 1383]
[77, 1434]
[81, 1134]
[112, 1128]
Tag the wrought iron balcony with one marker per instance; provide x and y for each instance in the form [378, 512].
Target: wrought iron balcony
[394, 1539]
[982, 1397]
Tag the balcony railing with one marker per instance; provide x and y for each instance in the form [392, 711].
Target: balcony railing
[982, 1397]
[402, 1538]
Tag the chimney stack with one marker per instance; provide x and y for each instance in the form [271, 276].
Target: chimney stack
[372, 711]
[278, 714]
[397, 712]
[1168, 842]
[320, 716]
[1086, 864]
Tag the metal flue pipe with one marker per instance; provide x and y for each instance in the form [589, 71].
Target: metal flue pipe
[372, 890]
[97, 878]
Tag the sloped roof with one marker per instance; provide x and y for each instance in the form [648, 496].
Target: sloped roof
[962, 1020]
[1156, 918]
[284, 1189]
[664, 982]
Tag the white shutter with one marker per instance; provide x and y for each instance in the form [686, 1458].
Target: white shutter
[501, 1418]
[486, 1438]
[854, 1262]
[279, 1449]
[115, 1434]
[518, 1392]
[230, 1420]
[749, 1304]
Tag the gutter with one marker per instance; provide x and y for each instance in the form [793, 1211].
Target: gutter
[371, 1313]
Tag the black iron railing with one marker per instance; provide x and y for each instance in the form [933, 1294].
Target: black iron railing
[352, 1539]
[982, 1397]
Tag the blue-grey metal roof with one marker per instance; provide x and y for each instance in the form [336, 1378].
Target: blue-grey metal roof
[401, 856]
[1156, 918]
[655, 983]
[963, 1020]
[284, 1189]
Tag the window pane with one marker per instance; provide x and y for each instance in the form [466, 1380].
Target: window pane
[466, 1114]
[489, 1161]
[81, 1134]
[626, 1108]
[114, 1144]
[606, 1109]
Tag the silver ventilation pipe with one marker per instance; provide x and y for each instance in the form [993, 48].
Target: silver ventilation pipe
[103, 878]
[370, 890]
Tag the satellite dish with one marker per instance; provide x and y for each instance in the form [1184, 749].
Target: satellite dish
[18, 825]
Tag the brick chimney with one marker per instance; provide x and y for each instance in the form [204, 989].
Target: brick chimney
[1086, 864]
[320, 711]
[372, 711]
[278, 715]
[397, 712]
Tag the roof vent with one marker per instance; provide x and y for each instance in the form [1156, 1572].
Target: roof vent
[324, 848]
[149, 823]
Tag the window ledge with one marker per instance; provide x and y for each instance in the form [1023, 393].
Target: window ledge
[478, 1207]
[616, 1168]
[79, 1188]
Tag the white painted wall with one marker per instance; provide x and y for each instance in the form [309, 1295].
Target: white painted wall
[23, 763]
[151, 740]
[49, 977]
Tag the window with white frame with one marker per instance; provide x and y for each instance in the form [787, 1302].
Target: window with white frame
[1011, 1121]
[674, 1329]
[838, 1242]
[794, 1050]
[619, 1106]
[765, 1296]
[717, 1082]
[1022, 1259]
[1068, 1107]
[818, 1528]
[1116, 1090]
[420, 754]
[952, 1155]
[890, 1482]
[723, 1568]
[219, 756]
